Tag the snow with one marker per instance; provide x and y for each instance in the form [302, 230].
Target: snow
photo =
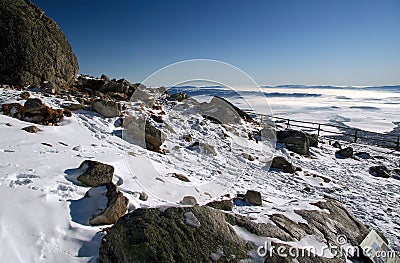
[43, 217]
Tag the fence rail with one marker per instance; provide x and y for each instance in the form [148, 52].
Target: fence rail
[385, 140]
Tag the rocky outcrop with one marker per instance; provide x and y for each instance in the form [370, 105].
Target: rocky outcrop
[108, 109]
[184, 234]
[116, 207]
[95, 173]
[296, 141]
[253, 197]
[281, 163]
[154, 137]
[33, 48]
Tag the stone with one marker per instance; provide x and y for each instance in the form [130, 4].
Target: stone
[242, 114]
[345, 153]
[313, 138]
[143, 196]
[248, 156]
[281, 163]
[253, 197]
[226, 205]
[33, 48]
[93, 84]
[14, 110]
[31, 129]
[179, 96]
[33, 105]
[295, 141]
[363, 155]
[113, 86]
[25, 95]
[117, 205]
[154, 137]
[189, 200]
[155, 235]
[50, 87]
[95, 173]
[180, 177]
[203, 148]
[380, 171]
[336, 144]
[105, 77]
[67, 113]
[191, 220]
[108, 109]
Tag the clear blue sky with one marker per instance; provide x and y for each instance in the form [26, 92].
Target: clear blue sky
[337, 42]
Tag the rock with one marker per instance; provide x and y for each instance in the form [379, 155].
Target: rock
[74, 106]
[253, 197]
[108, 109]
[14, 110]
[105, 77]
[116, 207]
[157, 118]
[31, 129]
[180, 177]
[113, 86]
[203, 148]
[154, 137]
[313, 138]
[187, 137]
[179, 96]
[336, 144]
[189, 200]
[380, 171]
[50, 87]
[345, 153]
[296, 141]
[151, 235]
[191, 220]
[25, 95]
[95, 173]
[33, 48]
[93, 84]
[143, 196]
[45, 116]
[281, 163]
[248, 156]
[226, 205]
[363, 155]
[67, 113]
[217, 100]
[33, 105]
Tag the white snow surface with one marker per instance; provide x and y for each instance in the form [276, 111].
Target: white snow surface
[43, 217]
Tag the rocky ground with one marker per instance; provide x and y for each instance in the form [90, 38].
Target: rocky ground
[179, 180]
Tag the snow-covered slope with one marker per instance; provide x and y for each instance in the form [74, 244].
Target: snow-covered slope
[41, 215]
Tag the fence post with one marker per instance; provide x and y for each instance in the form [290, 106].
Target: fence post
[398, 143]
[319, 128]
[355, 136]
[287, 125]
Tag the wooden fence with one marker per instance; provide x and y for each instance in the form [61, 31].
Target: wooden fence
[355, 135]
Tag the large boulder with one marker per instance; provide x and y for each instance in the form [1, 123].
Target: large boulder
[345, 153]
[380, 171]
[108, 109]
[33, 48]
[95, 173]
[281, 163]
[296, 141]
[154, 137]
[175, 234]
[116, 206]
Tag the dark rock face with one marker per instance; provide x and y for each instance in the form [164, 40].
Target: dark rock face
[380, 171]
[33, 48]
[281, 163]
[345, 153]
[296, 141]
[154, 137]
[150, 235]
[95, 173]
[116, 207]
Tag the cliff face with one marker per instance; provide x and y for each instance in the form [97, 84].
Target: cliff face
[33, 48]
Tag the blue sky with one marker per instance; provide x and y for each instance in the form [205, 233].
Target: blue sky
[338, 42]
